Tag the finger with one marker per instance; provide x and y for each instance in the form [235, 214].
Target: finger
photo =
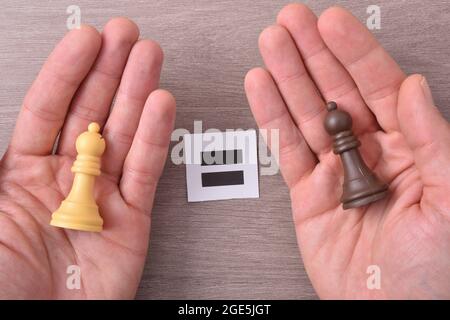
[329, 75]
[145, 161]
[295, 158]
[298, 90]
[46, 103]
[141, 76]
[376, 74]
[93, 100]
[425, 130]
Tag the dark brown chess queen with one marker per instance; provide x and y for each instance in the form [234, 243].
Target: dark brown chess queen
[361, 186]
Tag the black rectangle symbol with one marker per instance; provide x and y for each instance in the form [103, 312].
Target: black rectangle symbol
[224, 178]
[218, 157]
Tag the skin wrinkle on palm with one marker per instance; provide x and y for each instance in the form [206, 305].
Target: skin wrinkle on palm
[397, 233]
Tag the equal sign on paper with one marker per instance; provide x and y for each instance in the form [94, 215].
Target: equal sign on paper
[221, 165]
[221, 157]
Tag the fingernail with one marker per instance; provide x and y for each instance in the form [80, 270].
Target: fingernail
[426, 90]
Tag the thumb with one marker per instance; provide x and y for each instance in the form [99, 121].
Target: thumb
[425, 130]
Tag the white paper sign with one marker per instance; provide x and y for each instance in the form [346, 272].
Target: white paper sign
[221, 165]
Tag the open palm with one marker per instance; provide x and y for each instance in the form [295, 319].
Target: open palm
[405, 141]
[75, 87]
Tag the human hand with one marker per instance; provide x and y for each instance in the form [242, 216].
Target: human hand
[404, 140]
[76, 86]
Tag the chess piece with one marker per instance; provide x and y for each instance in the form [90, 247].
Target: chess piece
[361, 186]
[79, 210]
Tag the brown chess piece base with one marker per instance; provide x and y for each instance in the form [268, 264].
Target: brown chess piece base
[377, 191]
[364, 200]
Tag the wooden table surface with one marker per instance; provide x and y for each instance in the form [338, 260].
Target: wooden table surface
[223, 249]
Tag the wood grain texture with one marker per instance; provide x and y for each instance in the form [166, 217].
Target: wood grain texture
[224, 249]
